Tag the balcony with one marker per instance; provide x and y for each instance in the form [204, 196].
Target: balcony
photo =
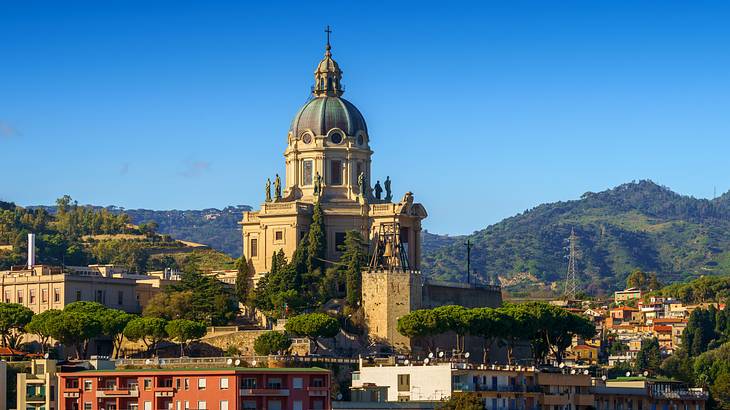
[318, 391]
[35, 397]
[72, 392]
[117, 392]
[556, 399]
[585, 400]
[263, 392]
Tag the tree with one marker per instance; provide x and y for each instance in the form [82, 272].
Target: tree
[78, 323]
[313, 326]
[149, 330]
[489, 324]
[184, 331]
[519, 324]
[13, 318]
[271, 343]
[637, 279]
[211, 302]
[113, 322]
[453, 318]
[317, 240]
[42, 325]
[171, 305]
[649, 357]
[244, 282]
[419, 323]
[463, 401]
[354, 257]
[653, 283]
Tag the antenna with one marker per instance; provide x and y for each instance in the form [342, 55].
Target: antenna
[571, 279]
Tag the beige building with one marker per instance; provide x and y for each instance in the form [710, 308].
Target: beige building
[647, 394]
[328, 160]
[42, 287]
[38, 389]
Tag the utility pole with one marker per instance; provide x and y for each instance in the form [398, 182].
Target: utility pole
[468, 261]
[571, 280]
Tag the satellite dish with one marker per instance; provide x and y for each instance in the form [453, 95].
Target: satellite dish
[162, 361]
[646, 373]
[441, 354]
[430, 355]
[604, 377]
[46, 356]
[562, 365]
[628, 374]
[238, 362]
[229, 362]
[148, 361]
[467, 354]
[253, 363]
[425, 361]
[572, 371]
[407, 362]
[339, 396]
[586, 372]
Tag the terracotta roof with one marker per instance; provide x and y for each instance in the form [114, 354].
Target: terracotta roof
[582, 347]
[668, 320]
[6, 351]
[663, 329]
[626, 308]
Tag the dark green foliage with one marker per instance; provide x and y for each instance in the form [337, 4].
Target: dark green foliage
[113, 323]
[462, 401]
[313, 326]
[634, 226]
[13, 318]
[700, 290]
[271, 343]
[244, 280]
[150, 330]
[210, 301]
[353, 259]
[184, 331]
[649, 357]
[78, 323]
[42, 325]
[317, 240]
[706, 329]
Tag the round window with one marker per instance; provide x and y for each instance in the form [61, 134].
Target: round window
[360, 140]
[336, 137]
[307, 138]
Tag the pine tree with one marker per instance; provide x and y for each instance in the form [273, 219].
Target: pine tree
[317, 240]
[354, 258]
[243, 280]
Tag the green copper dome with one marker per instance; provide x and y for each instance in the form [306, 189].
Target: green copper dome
[321, 114]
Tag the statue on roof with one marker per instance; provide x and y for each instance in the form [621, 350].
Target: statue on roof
[378, 191]
[268, 189]
[388, 192]
[277, 188]
[317, 184]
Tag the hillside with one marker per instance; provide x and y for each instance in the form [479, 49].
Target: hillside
[636, 225]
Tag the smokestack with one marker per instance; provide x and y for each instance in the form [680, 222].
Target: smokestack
[31, 250]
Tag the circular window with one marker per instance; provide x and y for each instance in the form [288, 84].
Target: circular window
[360, 140]
[307, 138]
[336, 137]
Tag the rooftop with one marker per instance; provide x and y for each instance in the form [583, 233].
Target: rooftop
[208, 370]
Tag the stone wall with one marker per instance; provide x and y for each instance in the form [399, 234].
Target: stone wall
[437, 294]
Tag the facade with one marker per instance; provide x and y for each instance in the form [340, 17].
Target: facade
[622, 296]
[232, 388]
[328, 161]
[41, 287]
[38, 389]
[644, 394]
[501, 388]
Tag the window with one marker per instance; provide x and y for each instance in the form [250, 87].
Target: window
[254, 247]
[187, 405]
[274, 405]
[336, 137]
[177, 385]
[31, 296]
[20, 296]
[87, 405]
[120, 298]
[56, 295]
[78, 295]
[7, 296]
[404, 382]
[249, 405]
[297, 383]
[100, 296]
[177, 404]
[358, 170]
[44, 295]
[279, 236]
[87, 385]
[248, 383]
[187, 386]
[224, 383]
[274, 383]
[336, 172]
[148, 405]
[318, 382]
[297, 405]
[224, 405]
[339, 241]
[307, 172]
[201, 383]
[202, 405]
[147, 383]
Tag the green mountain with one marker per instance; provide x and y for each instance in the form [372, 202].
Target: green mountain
[638, 225]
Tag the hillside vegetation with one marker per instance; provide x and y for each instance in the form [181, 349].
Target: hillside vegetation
[638, 225]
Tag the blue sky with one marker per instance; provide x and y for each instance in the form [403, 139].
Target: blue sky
[481, 109]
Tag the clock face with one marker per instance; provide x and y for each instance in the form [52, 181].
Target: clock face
[307, 138]
[360, 140]
[336, 137]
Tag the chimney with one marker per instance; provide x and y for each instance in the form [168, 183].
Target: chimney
[31, 250]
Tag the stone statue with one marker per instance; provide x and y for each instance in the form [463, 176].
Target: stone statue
[378, 191]
[317, 184]
[388, 192]
[361, 183]
[268, 189]
[277, 188]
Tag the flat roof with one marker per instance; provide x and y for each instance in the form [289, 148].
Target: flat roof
[205, 369]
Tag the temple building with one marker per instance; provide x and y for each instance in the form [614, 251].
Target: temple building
[328, 160]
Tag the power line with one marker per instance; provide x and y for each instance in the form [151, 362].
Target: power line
[571, 279]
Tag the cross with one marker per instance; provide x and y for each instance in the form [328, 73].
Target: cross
[328, 31]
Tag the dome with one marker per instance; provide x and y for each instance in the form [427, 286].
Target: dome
[321, 114]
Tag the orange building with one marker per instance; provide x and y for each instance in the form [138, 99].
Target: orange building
[234, 388]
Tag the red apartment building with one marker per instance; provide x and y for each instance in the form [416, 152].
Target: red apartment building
[234, 388]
